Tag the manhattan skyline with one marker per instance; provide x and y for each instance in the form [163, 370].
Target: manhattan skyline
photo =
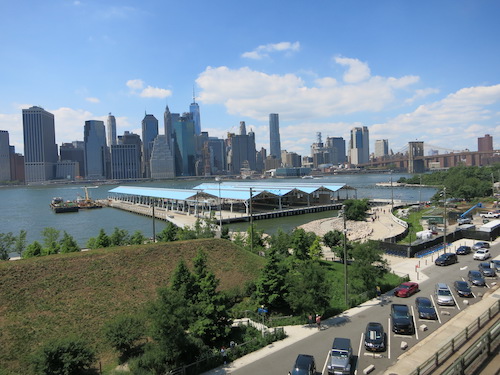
[425, 71]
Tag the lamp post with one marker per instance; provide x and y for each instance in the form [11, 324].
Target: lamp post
[392, 195]
[251, 222]
[153, 215]
[345, 256]
[444, 221]
[220, 205]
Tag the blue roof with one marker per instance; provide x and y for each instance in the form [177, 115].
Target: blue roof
[178, 194]
[232, 190]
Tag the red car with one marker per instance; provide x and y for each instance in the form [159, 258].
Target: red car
[406, 289]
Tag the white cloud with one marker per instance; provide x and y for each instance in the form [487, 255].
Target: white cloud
[136, 87]
[263, 50]
[460, 118]
[358, 71]
[92, 100]
[155, 92]
[255, 94]
[420, 94]
[135, 84]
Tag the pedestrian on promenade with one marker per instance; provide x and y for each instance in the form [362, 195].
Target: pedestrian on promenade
[318, 321]
[223, 353]
[379, 292]
[310, 319]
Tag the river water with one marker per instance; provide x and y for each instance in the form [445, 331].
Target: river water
[27, 207]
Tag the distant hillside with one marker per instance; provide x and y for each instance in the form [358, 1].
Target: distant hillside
[42, 298]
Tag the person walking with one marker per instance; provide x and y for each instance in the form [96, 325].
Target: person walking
[318, 321]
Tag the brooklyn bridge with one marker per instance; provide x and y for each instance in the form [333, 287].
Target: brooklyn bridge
[414, 160]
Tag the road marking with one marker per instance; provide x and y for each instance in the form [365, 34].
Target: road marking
[389, 338]
[326, 362]
[454, 299]
[437, 311]
[359, 352]
[464, 268]
[414, 322]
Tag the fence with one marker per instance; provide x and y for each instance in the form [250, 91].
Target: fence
[214, 358]
[471, 356]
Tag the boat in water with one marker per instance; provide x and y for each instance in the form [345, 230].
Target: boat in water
[87, 202]
[61, 206]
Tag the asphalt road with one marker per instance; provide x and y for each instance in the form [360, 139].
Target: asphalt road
[318, 344]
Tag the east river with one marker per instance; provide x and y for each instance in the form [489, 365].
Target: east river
[27, 207]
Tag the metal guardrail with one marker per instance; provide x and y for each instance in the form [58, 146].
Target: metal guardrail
[456, 343]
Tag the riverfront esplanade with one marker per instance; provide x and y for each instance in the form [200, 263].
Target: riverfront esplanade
[231, 201]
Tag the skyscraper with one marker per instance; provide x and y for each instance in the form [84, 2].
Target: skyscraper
[75, 152]
[126, 157]
[336, 150]
[183, 128]
[381, 148]
[111, 130]
[194, 109]
[4, 156]
[94, 138]
[40, 149]
[359, 148]
[242, 152]
[149, 133]
[274, 136]
[162, 159]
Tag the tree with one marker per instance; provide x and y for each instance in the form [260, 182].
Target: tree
[271, 287]
[368, 266]
[65, 356]
[68, 244]
[102, 240]
[183, 280]
[33, 250]
[6, 242]
[355, 209]
[50, 241]
[334, 239]
[301, 242]
[137, 238]
[168, 234]
[119, 237]
[315, 251]
[254, 239]
[123, 332]
[224, 233]
[308, 288]
[280, 242]
[20, 243]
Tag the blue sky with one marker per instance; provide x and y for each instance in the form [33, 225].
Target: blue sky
[409, 70]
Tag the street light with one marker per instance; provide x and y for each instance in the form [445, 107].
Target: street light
[220, 205]
[345, 256]
[444, 221]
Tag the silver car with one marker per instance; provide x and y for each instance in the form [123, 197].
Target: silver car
[443, 295]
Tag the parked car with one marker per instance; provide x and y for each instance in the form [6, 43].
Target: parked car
[463, 250]
[406, 289]
[425, 308]
[462, 288]
[446, 259]
[443, 295]
[476, 278]
[480, 245]
[464, 220]
[339, 361]
[402, 321]
[482, 254]
[375, 337]
[486, 270]
[495, 264]
[304, 365]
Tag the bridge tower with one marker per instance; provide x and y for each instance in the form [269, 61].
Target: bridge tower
[415, 157]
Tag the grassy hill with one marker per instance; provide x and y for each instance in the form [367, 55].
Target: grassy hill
[54, 296]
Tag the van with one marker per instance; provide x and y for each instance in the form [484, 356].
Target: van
[443, 295]
[446, 259]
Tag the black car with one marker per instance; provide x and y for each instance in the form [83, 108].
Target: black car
[446, 259]
[476, 278]
[486, 270]
[402, 321]
[462, 288]
[463, 250]
[304, 365]
[425, 308]
[375, 337]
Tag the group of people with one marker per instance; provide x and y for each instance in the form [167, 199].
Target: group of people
[317, 319]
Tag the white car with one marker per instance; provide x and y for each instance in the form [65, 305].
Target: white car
[482, 254]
